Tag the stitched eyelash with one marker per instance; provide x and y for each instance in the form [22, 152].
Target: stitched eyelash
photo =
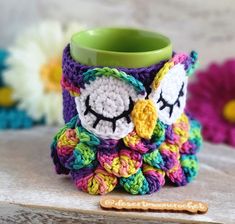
[113, 120]
[171, 106]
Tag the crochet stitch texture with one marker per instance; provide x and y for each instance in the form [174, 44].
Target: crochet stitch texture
[117, 131]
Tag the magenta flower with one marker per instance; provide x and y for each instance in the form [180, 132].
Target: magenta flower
[212, 102]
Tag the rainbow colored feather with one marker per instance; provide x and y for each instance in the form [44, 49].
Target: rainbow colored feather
[141, 166]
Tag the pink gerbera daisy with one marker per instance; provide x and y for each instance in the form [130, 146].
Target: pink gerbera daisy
[212, 102]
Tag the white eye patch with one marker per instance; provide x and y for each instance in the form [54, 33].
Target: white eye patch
[104, 107]
[170, 96]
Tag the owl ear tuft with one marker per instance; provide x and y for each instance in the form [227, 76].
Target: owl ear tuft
[194, 63]
[67, 85]
[190, 61]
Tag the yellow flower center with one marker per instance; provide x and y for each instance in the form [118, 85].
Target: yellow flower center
[51, 73]
[6, 97]
[229, 111]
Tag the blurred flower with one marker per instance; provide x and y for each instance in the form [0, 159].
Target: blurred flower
[212, 101]
[10, 116]
[35, 69]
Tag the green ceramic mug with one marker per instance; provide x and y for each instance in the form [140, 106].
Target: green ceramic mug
[120, 47]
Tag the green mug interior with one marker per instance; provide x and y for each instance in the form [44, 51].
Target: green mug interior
[120, 47]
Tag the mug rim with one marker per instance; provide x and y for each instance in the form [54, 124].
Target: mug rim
[130, 59]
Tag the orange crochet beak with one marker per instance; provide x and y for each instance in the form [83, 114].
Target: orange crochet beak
[144, 116]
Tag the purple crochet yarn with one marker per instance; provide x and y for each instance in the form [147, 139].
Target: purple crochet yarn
[84, 172]
[73, 70]
[108, 144]
[59, 168]
[153, 183]
[169, 159]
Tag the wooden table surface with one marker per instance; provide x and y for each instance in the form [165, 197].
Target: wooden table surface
[30, 192]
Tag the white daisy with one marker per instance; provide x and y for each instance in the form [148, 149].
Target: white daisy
[35, 69]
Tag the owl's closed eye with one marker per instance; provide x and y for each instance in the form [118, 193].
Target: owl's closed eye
[106, 102]
[169, 92]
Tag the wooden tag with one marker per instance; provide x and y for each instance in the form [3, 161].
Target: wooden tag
[144, 205]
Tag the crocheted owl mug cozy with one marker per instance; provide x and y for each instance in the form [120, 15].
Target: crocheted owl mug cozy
[127, 127]
[10, 116]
